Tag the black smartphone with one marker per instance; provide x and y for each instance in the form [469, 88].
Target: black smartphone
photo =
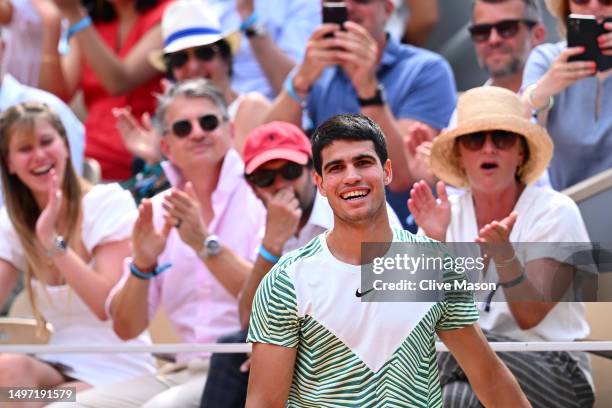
[334, 12]
[583, 30]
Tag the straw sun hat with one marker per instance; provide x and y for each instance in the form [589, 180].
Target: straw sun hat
[190, 23]
[490, 108]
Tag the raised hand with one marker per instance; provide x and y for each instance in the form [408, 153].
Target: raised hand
[417, 148]
[48, 12]
[431, 214]
[46, 223]
[495, 238]
[282, 220]
[245, 8]
[141, 141]
[605, 40]
[147, 242]
[183, 211]
[358, 56]
[563, 73]
[320, 54]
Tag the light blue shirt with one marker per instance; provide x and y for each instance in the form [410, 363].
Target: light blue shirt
[288, 22]
[12, 92]
[579, 123]
[419, 85]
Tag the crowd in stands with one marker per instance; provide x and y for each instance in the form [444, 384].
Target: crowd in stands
[236, 141]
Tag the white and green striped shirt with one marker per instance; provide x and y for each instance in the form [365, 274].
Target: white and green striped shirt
[351, 353]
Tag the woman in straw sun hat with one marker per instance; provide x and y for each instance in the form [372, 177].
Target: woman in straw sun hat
[573, 99]
[497, 153]
[196, 47]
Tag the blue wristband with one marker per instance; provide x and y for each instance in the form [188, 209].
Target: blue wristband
[291, 90]
[78, 26]
[252, 19]
[146, 276]
[265, 254]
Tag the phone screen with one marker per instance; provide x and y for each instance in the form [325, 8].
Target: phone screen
[334, 12]
[582, 31]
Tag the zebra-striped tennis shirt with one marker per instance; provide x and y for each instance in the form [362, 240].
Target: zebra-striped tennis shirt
[351, 353]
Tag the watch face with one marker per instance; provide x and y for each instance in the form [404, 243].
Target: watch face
[60, 243]
[213, 247]
[256, 30]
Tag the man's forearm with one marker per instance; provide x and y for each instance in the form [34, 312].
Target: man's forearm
[245, 300]
[500, 388]
[424, 15]
[273, 61]
[285, 109]
[130, 308]
[229, 269]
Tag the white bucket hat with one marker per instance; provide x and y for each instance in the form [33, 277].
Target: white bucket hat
[187, 24]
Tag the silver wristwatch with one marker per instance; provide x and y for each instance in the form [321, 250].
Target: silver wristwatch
[212, 247]
[256, 30]
[59, 246]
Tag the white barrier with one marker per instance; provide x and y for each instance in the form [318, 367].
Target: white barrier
[244, 348]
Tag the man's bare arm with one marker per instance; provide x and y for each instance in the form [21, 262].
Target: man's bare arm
[271, 375]
[492, 382]
[424, 15]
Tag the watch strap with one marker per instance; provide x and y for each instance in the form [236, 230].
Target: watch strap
[255, 30]
[376, 100]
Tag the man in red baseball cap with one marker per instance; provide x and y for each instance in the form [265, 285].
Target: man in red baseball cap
[278, 167]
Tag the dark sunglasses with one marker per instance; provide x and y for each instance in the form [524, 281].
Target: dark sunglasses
[502, 139]
[265, 177]
[183, 128]
[505, 29]
[179, 58]
[585, 2]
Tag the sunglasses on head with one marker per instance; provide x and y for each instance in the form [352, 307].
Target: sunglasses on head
[504, 28]
[179, 58]
[183, 128]
[265, 177]
[585, 2]
[502, 139]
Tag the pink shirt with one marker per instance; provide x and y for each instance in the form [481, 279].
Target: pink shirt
[199, 307]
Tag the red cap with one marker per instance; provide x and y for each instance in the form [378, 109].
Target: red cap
[275, 140]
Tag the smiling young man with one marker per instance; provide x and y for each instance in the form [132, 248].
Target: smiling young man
[278, 167]
[317, 344]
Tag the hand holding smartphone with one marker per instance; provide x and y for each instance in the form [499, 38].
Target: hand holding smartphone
[582, 31]
[334, 12]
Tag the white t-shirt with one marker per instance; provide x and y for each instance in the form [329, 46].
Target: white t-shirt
[544, 215]
[109, 213]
